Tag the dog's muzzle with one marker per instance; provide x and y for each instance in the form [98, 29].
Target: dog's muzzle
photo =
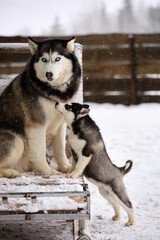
[49, 76]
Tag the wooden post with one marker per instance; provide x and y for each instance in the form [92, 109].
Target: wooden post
[133, 88]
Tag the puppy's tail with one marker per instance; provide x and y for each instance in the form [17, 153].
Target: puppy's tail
[127, 167]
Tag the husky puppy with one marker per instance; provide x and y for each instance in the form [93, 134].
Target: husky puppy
[27, 120]
[90, 156]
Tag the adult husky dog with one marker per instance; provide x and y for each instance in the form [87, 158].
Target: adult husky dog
[27, 120]
[90, 156]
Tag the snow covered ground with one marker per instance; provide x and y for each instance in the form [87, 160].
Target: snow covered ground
[129, 133]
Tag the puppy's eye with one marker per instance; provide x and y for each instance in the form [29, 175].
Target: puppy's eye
[57, 59]
[44, 60]
[67, 107]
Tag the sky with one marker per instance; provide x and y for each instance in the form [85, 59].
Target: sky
[36, 17]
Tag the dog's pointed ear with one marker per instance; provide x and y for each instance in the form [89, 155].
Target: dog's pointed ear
[70, 44]
[85, 110]
[33, 45]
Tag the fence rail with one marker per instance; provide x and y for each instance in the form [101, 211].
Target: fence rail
[117, 68]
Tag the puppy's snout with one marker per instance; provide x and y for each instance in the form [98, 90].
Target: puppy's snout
[57, 103]
[49, 75]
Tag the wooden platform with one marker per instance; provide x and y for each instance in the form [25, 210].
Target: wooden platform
[56, 198]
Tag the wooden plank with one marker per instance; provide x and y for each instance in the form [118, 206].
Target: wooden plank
[99, 55]
[103, 68]
[109, 71]
[110, 99]
[147, 38]
[14, 48]
[11, 70]
[14, 57]
[106, 84]
[149, 99]
[90, 39]
[102, 39]
[148, 84]
[148, 53]
[148, 68]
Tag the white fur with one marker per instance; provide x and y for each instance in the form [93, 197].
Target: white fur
[33, 46]
[76, 143]
[55, 133]
[68, 116]
[62, 69]
[78, 146]
[70, 45]
[127, 165]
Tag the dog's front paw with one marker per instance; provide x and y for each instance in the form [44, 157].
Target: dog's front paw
[46, 173]
[10, 173]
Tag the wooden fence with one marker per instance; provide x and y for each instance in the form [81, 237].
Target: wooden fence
[117, 68]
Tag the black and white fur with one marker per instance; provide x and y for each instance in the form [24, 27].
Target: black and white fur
[91, 158]
[28, 123]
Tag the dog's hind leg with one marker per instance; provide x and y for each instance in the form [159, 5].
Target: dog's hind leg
[119, 195]
[105, 194]
[11, 150]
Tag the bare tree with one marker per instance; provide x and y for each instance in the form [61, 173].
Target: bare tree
[126, 18]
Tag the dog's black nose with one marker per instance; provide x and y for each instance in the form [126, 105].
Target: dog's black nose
[57, 103]
[49, 75]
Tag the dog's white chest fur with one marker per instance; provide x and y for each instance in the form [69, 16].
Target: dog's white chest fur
[76, 143]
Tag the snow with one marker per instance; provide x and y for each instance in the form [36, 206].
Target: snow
[14, 45]
[32, 183]
[29, 183]
[42, 203]
[129, 133]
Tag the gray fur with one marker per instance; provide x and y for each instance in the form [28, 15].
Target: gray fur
[100, 170]
[7, 143]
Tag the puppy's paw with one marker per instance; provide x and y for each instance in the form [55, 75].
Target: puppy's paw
[65, 168]
[72, 175]
[55, 172]
[129, 223]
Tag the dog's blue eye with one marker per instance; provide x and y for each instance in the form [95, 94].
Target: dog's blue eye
[57, 59]
[44, 60]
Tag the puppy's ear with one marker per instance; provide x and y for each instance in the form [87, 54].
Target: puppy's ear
[33, 45]
[70, 44]
[84, 112]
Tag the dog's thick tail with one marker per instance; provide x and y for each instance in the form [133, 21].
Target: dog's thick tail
[127, 167]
